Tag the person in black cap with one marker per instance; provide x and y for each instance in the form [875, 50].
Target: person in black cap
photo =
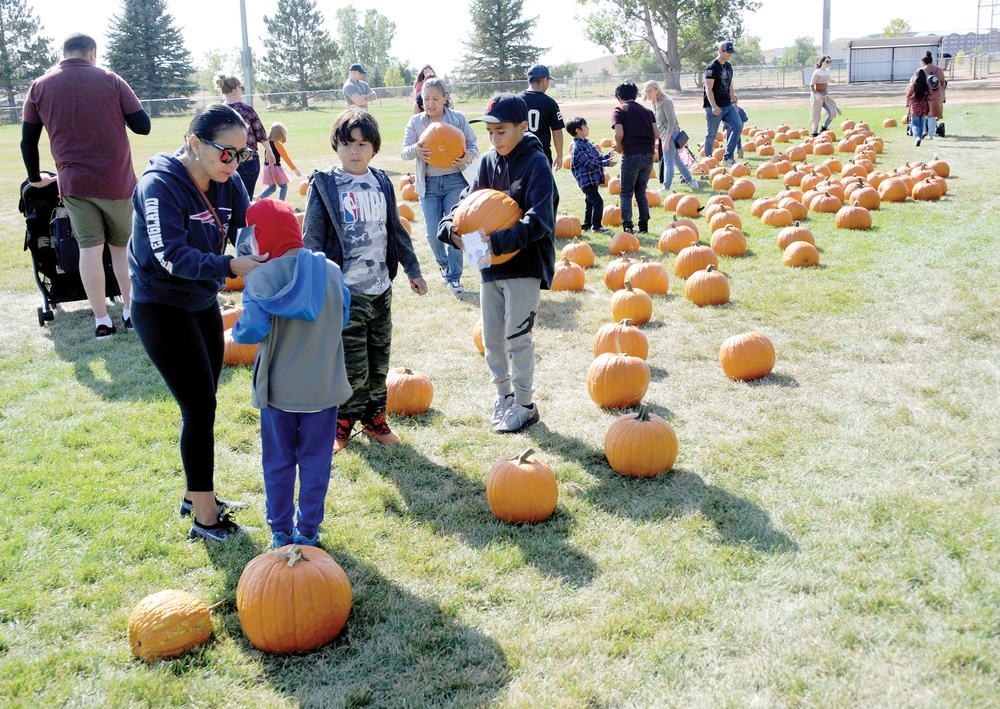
[720, 103]
[545, 120]
[511, 291]
[356, 91]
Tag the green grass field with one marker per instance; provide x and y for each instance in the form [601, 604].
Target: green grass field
[829, 535]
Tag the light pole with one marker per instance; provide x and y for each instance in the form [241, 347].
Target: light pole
[826, 26]
[245, 55]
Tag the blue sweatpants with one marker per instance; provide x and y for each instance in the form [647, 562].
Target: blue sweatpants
[306, 440]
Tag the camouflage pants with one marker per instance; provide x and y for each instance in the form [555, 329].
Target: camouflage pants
[367, 341]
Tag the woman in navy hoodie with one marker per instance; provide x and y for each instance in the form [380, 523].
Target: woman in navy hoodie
[186, 206]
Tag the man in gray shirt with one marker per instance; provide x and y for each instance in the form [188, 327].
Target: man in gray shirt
[356, 91]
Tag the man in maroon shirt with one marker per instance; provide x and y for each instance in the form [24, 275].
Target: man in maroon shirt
[85, 110]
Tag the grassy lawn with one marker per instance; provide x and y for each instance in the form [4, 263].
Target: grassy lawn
[829, 535]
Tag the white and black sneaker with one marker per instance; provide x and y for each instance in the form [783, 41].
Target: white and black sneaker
[222, 530]
[225, 506]
[500, 407]
[444, 273]
[455, 286]
[517, 418]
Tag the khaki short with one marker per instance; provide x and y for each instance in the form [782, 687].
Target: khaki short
[96, 221]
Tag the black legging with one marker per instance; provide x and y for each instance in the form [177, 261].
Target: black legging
[187, 350]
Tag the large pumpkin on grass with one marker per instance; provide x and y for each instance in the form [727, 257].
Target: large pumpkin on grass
[489, 210]
[445, 141]
[617, 380]
[694, 258]
[747, 356]
[795, 232]
[568, 226]
[408, 392]
[167, 624]
[568, 276]
[522, 488]
[405, 211]
[648, 275]
[800, 254]
[640, 445]
[622, 243]
[632, 303]
[853, 217]
[614, 272]
[708, 287]
[621, 337]
[579, 252]
[677, 237]
[729, 241]
[235, 354]
[743, 188]
[612, 215]
[293, 599]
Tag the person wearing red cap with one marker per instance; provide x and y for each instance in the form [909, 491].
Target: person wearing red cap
[295, 306]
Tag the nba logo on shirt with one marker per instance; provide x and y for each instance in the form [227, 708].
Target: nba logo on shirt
[350, 203]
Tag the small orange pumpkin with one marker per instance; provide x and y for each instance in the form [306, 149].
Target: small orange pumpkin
[795, 232]
[568, 226]
[632, 303]
[694, 258]
[640, 445]
[708, 287]
[568, 276]
[522, 488]
[800, 254]
[612, 215]
[235, 354]
[748, 356]
[650, 276]
[579, 252]
[623, 243]
[853, 217]
[405, 211]
[743, 188]
[729, 241]
[617, 380]
[614, 272]
[445, 141]
[621, 337]
[408, 392]
[167, 624]
[677, 237]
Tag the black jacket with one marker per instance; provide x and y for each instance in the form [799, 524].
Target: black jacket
[529, 183]
[323, 226]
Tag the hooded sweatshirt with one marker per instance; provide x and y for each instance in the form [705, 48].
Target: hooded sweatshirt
[296, 306]
[526, 175]
[175, 255]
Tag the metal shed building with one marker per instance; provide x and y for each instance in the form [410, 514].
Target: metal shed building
[889, 58]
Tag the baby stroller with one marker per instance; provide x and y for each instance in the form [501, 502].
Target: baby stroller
[54, 251]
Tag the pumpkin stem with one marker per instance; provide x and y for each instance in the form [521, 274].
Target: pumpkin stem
[292, 555]
[643, 414]
[221, 603]
[709, 268]
[626, 322]
[523, 456]
[407, 371]
[628, 285]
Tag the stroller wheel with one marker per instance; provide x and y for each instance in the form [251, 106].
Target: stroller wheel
[41, 317]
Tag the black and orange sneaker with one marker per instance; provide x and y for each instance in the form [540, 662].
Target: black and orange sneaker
[379, 430]
[344, 427]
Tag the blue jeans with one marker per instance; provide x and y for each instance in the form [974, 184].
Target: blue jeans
[635, 176]
[250, 171]
[441, 194]
[917, 125]
[731, 117]
[291, 440]
[282, 191]
[670, 157]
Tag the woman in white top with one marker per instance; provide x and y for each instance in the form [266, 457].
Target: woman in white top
[819, 100]
[439, 188]
[666, 122]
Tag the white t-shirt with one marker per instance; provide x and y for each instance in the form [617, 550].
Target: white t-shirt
[820, 77]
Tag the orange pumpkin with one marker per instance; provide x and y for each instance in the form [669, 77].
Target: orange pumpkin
[653, 198]
[761, 205]
[409, 193]
[568, 226]
[798, 210]
[617, 380]
[612, 215]
[167, 624]
[304, 187]
[743, 188]
[708, 287]
[649, 276]
[800, 254]
[236, 355]
[445, 141]
[231, 315]
[927, 189]
[614, 272]
[746, 357]
[408, 392]
[489, 210]
[854, 217]
[615, 185]
[232, 284]
[477, 337]
[688, 206]
[568, 276]
[677, 237]
[632, 303]
[726, 217]
[893, 189]
[522, 488]
[405, 211]
[777, 216]
[795, 232]
[640, 445]
[406, 225]
[621, 337]
[579, 252]
[623, 243]
[293, 599]
[729, 241]
[694, 258]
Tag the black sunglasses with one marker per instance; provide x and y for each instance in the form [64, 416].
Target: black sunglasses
[227, 155]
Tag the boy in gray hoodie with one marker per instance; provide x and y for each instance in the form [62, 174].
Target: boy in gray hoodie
[295, 308]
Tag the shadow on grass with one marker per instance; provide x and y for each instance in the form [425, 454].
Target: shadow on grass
[680, 493]
[397, 649]
[669, 495]
[775, 380]
[453, 504]
[130, 376]
[559, 314]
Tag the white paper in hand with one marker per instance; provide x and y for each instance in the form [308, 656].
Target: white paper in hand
[477, 251]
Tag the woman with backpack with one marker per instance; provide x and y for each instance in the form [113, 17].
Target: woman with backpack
[918, 97]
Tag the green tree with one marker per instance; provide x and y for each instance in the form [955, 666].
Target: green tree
[214, 61]
[394, 77]
[300, 55]
[801, 53]
[566, 70]
[498, 49]
[677, 32]
[897, 28]
[748, 51]
[24, 54]
[367, 43]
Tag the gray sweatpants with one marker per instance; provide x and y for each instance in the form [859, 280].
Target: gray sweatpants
[509, 308]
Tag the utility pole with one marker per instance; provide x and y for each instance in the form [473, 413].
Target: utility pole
[826, 26]
[245, 56]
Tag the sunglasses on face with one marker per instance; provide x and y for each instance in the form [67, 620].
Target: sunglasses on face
[227, 155]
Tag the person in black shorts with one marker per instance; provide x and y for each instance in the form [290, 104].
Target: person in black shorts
[545, 120]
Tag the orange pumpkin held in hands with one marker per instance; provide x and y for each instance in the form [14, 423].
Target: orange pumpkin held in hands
[489, 210]
[446, 143]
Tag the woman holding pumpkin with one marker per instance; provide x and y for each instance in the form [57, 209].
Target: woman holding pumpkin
[439, 187]
[666, 121]
[187, 206]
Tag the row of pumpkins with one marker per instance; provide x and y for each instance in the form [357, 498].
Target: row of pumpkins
[522, 487]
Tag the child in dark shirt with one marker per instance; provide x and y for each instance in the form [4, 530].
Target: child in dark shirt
[588, 169]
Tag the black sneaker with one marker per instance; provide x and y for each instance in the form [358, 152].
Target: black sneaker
[222, 530]
[628, 230]
[600, 230]
[104, 332]
[127, 325]
[225, 506]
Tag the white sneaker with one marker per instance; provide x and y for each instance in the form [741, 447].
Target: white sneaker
[444, 273]
[500, 407]
[456, 287]
[517, 418]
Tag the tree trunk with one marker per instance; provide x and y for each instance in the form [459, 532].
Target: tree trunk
[14, 118]
[671, 78]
